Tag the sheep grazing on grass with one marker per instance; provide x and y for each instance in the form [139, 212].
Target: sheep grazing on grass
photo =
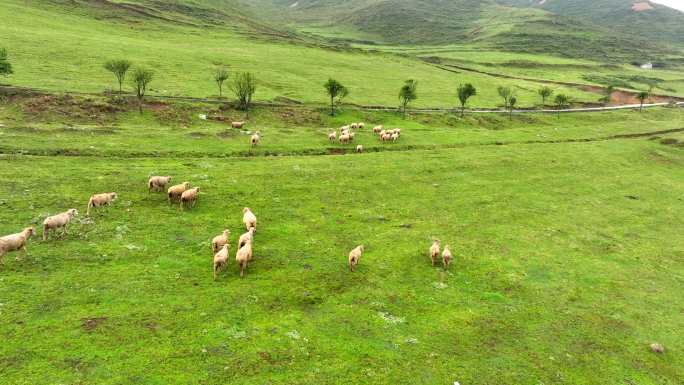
[97, 200]
[189, 197]
[158, 183]
[345, 138]
[378, 129]
[332, 136]
[220, 259]
[16, 241]
[243, 256]
[354, 257]
[386, 137]
[249, 219]
[176, 191]
[361, 125]
[256, 138]
[354, 126]
[434, 251]
[220, 240]
[359, 148]
[446, 257]
[237, 124]
[395, 137]
[246, 237]
[58, 221]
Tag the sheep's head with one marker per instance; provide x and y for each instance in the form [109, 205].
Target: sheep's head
[361, 247]
[30, 231]
[72, 212]
[226, 232]
[168, 179]
[197, 189]
[246, 210]
[252, 230]
[113, 196]
[186, 185]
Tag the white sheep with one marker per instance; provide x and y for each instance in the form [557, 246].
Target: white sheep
[345, 138]
[386, 137]
[220, 259]
[354, 257]
[16, 241]
[395, 137]
[158, 183]
[378, 128]
[246, 237]
[361, 125]
[446, 257]
[220, 240]
[256, 138]
[243, 256]
[332, 136]
[249, 219]
[237, 124]
[175, 192]
[354, 126]
[189, 196]
[58, 221]
[104, 199]
[359, 148]
[434, 251]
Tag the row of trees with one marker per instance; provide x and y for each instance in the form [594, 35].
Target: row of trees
[243, 85]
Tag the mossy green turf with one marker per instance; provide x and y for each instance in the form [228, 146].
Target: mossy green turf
[61, 49]
[568, 258]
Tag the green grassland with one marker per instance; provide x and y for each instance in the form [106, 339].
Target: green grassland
[568, 254]
[58, 50]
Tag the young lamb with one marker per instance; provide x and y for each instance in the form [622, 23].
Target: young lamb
[58, 221]
[354, 257]
[345, 138]
[220, 240]
[434, 251]
[446, 257]
[249, 219]
[256, 138]
[97, 200]
[377, 129]
[158, 183]
[332, 136]
[246, 237]
[220, 259]
[176, 191]
[189, 196]
[359, 148]
[237, 124]
[16, 241]
[243, 256]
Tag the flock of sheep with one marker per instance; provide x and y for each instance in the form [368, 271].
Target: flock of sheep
[347, 135]
[187, 196]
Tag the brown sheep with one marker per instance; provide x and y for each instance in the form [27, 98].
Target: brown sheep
[354, 257]
[158, 183]
[246, 237]
[256, 138]
[189, 196]
[446, 257]
[377, 129]
[332, 136]
[97, 200]
[345, 138]
[176, 191]
[243, 256]
[237, 124]
[220, 259]
[16, 241]
[58, 221]
[220, 240]
[249, 219]
[359, 148]
[434, 251]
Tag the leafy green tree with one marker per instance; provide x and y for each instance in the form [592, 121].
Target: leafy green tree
[244, 86]
[5, 65]
[505, 94]
[511, 104]
[607, 94]
[642, 96]
[465, 92]
[220, 76]
[408, 93]
[141, 79]
[119, 68]
[545, 92]
[336, 91]
[561, 101]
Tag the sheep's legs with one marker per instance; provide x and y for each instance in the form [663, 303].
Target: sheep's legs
[242, 269]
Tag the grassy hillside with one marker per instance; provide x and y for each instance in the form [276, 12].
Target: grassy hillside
[56, 49]
[556, 243]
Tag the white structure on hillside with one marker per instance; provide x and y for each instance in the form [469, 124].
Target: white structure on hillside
[647, 66]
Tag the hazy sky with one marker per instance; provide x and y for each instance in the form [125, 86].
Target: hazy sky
[679, 4]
